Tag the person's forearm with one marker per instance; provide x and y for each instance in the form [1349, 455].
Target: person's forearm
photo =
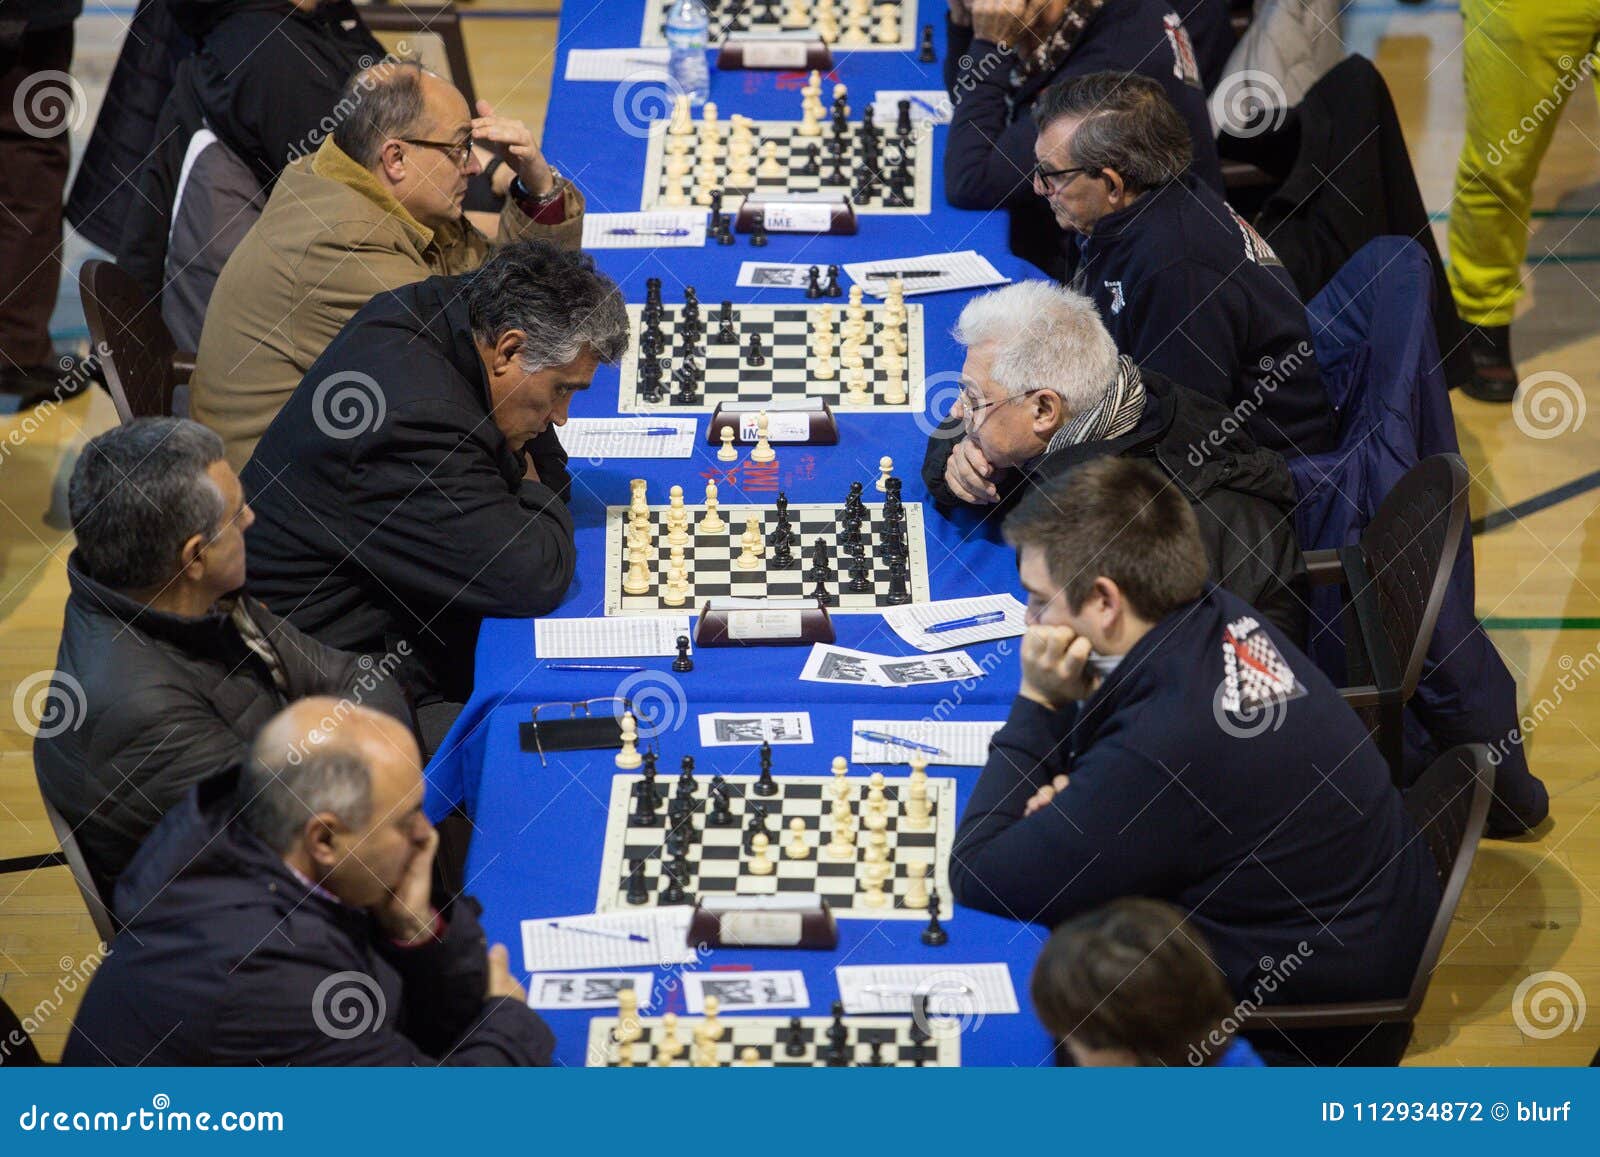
[958, 42]
[988, 159]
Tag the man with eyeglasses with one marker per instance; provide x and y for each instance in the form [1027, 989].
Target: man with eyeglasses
[377, 206]
[1186, 287]
[1167, 743]
[1044, 389]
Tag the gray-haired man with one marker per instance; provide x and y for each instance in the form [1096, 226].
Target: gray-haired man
[166, 670]
[280, 915]
[413, 485]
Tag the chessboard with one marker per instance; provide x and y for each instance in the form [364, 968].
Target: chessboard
[792, 365]
[707, 855]
[710, 560]
[880, 170]
[859, 27]
[781, 1042]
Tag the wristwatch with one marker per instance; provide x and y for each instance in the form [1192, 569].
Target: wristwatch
[525, 198]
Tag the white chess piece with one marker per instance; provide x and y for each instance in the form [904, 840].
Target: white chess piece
[841, 785]
[629, 758]
[677, 519]
[727, 453]
[877, 873]
[917, 889]
[894, 384]
[917, 810]
[799, 847]
[885, 469]
[750, 557]
[750, 1056]
[839, 91]
[682, 123]
[760, 863]
[842, 845]
[712, 523]
[859, 393]
[876, 800]
[763, 451]
[637, 580]
[769, 161]
[676, 592]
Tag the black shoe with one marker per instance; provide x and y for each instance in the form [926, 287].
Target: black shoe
[1494, 378]
[67, 378]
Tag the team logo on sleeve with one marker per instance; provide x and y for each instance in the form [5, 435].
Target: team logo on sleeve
[1117, 301]
[1184, 65]
[1255, 676]
[1255, 245]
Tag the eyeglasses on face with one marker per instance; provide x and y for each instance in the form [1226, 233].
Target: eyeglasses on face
[1055, 180]
[970, 409]
[457, 151]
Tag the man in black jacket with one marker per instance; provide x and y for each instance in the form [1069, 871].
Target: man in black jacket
[999, 63]
[1187, 288]
[1044, 390]
[280, 915]
[412, 484]
[166, 670]
[1168, 743]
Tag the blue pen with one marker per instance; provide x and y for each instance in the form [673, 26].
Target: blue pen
[647, 232]
[589, 667]
[982, 620]
[880, 737]
[926, 105]
[633, 936]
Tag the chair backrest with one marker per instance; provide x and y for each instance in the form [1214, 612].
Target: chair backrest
[99, 911]
[1410, 550]
[1449, 803]
[425, 20]
[133, 343]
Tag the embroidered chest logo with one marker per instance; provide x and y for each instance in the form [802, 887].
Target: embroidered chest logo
[1255, 674]
[1115, 289]
[1255, 245]
[1184, 64]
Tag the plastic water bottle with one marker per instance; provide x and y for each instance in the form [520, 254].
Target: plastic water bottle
[687, 23]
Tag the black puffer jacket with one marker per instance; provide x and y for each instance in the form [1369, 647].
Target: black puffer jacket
[1242, 495]
[157, 702]
[263, 76]
[230, 958]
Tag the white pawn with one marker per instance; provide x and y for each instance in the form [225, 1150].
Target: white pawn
[637, 580]
[760, 863]
[917, 889]
[877, 873]
[894, 386]
[856, 385]
[799, 847]
[676, 194]
[876, 801]
[629, 758]
[763, 451]
[842, 844]
[712, 523]
[769, 161]
[885, 469]
[628, 1028]
[841, 786]
[750, 1056]
[676, 592]
[681, 124]
[669, 1048]
[750, 556]
[727, 453]
[677, 520]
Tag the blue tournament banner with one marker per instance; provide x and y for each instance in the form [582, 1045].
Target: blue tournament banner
[753, 1111]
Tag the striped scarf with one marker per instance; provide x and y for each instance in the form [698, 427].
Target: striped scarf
[1056, 46]
[1117, 412]
[250, 631]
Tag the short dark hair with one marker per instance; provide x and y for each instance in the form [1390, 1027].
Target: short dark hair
[1120, 519]
[1128, 124]
[1133, 975]
[556, 297]
[378, 103]
[138, 493]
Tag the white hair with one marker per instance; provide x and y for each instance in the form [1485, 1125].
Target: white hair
[1045, 337]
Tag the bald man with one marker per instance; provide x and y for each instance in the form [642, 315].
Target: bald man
[281, 915]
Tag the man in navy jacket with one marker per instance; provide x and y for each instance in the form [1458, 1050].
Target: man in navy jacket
[1170, 743]
[1186, 287]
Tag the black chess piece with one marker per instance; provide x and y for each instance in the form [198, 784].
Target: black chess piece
[678, 837]
[687, 375]
[766, 785]
[919, 1029]
[673, 893]
[794, 1038]
[898, 594]
[867, 115]
[875, 1059]
[833, 289]
[650, 761]
[927, 54]
[821, 571]
[754, 355]
[860, 584]
[757, 824]
[902, 124]
[724, 235]
[782, 554]
[838, 1038]
[652, 291]
[821, 595]
[934, 935]
[679, 870]
[810, 168]
[686, 775]
[813, 284]
[758, 232]
[645, 805]
[726, 334]
[683, 662]
[638, 893]
[720, 815]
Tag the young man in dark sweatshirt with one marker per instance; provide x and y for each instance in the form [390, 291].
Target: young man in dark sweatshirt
[1168, 742]
[1186, 287]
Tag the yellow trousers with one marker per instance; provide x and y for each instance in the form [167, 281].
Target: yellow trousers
[1522, 59]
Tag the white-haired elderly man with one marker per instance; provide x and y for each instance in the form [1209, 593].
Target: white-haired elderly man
[1044, 389]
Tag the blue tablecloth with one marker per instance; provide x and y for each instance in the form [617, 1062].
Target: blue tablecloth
[539, 830]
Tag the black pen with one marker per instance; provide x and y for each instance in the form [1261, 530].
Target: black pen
[908, 273]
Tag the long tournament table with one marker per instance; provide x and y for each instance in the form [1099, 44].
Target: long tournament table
[538, 830]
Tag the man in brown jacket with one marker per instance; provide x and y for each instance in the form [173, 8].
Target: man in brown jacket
[377, 206]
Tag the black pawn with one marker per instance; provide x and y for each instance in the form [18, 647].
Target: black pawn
[673, 893]
[719, 816]
[934, 935]
[794, 1039]
[646, 800]
[757, 824]
[683, 662]
[686, 784]
[810, 168]
[860, 584]
[919, 1030]
[766, 785]
[754, 355]
[724, 236]
[832, 288]
[838, 1038]
[758, 233]
[813, 283]
[926, 53]
[637, 892]
[876, 1061]
[902, 124]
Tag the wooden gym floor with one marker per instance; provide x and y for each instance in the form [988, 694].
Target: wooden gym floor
[1523, 915]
